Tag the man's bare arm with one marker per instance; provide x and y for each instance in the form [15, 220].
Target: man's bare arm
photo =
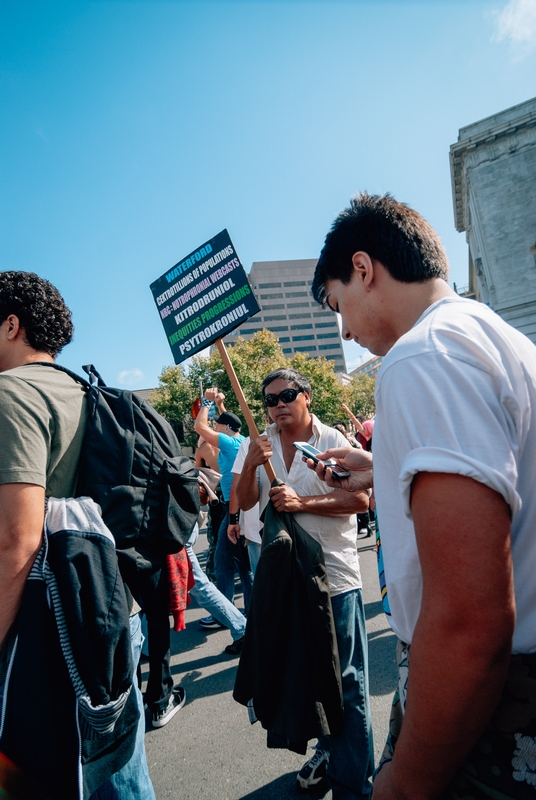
[247, 490]
[462, 643]
[22, 511]
[335, 504]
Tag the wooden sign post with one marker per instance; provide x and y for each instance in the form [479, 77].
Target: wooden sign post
[248, 416]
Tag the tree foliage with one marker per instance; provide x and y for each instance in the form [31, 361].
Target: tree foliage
[253, 360]
[359, 395]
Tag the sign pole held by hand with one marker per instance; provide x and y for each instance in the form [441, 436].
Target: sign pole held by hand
[237, 389]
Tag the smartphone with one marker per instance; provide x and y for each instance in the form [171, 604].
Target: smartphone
[311, 452]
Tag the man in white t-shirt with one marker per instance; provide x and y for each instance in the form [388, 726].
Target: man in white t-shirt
[328, 515]
[454, 478]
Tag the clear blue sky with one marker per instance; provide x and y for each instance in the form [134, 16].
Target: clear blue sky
[131, 132]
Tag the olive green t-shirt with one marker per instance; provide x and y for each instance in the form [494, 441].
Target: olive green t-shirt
[42, 423]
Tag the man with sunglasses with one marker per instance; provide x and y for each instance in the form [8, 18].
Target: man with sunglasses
[329, 516]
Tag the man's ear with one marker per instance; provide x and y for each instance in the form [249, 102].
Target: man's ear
[13, 327]
[363, 267]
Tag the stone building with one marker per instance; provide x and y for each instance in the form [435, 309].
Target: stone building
[283, 291]
[493, 171]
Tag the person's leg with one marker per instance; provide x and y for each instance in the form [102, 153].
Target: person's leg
[208, 596]
[246, 579]
[154, 595]
[224, 562]
[133, 780]
[254, 549]
[352, 754]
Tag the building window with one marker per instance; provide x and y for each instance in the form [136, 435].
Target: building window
[295, 294]
[269, 285]
[327, 335]
[299, 316]
[331, 346]
[275, 307]
[272, 319]
[279, 328]
[271, 296]
[303, 304]
[306, 327]
[326, 324]
[249, 330]
[284, 338]
[294, 283]
[287, 349]
[302, 338]
[305, 348]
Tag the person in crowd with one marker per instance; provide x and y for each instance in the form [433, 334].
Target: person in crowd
[42, 423]
[363, 427]
[206, 455]
[226, 437]
[459, 590]
[341, 427]
[244, 523]
[329, 517]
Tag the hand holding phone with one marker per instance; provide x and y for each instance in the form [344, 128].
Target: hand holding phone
[311, 452]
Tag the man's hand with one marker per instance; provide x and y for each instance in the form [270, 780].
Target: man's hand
[357, 462]
[219, 400]
[233, 533]
[212, 393]
[260, 451]
[285, 499]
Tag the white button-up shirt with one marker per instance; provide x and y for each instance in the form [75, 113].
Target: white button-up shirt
[336, 535]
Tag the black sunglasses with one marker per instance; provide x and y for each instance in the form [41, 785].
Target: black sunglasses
[286, 396]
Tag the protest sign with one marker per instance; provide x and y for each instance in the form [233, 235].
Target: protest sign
[203, 297]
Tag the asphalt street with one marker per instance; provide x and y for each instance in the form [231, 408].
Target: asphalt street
[209, 750]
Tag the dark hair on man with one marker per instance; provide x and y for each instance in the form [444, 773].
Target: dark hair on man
[42, 313]
[289, 375]
[389, 232]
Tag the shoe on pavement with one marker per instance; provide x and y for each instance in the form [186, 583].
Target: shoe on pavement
[210, 622]
[314, 771]
[235, 648]
[177, 699]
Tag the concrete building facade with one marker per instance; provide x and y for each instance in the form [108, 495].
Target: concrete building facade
[493, 171]
[369, 368]
[283, 292]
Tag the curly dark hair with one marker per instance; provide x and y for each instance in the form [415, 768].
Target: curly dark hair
[391, 233]
[42, 313]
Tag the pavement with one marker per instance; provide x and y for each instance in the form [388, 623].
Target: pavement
[209, 750]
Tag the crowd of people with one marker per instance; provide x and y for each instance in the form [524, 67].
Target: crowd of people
[443, 476]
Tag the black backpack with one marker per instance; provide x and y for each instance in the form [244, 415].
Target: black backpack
[131, 465]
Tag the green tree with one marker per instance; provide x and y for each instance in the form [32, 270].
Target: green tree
[173, 399]
[252, 360]
[327, 391]
[359, 395]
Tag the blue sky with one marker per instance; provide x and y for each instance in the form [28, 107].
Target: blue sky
[131, 132]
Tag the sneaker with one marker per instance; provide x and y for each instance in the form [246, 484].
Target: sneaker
[210, 622]
[176, 701]
[314, 771]
[235, 648]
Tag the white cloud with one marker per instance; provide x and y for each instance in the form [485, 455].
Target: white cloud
[130, 376]
[516, 23]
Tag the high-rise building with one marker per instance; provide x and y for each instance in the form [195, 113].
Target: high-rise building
[283, 292]
[493, 168]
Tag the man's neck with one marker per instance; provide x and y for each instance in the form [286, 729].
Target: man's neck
[19, 358]
[301, 433]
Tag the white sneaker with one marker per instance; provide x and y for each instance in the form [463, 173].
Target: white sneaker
[177, 699]
[314, 770]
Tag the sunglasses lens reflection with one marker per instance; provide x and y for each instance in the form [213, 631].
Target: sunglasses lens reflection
[286, 396]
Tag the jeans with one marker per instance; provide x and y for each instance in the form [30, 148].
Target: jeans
[208, 596]
[254, 550]
[133, 780]
[351, 759]
[226, 566]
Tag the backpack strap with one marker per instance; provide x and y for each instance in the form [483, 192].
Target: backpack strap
[69, 372]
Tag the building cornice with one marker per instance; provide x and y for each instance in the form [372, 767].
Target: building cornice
[491, 131]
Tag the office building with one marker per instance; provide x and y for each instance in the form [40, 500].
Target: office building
[283, 292]
[369, 368]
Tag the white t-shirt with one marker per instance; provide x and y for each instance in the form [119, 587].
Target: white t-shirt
[250, 523]
[336, 535]
[456, 394]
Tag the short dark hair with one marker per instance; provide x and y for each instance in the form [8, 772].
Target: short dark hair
[42, 313]
[389, 232]
[289, 375]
